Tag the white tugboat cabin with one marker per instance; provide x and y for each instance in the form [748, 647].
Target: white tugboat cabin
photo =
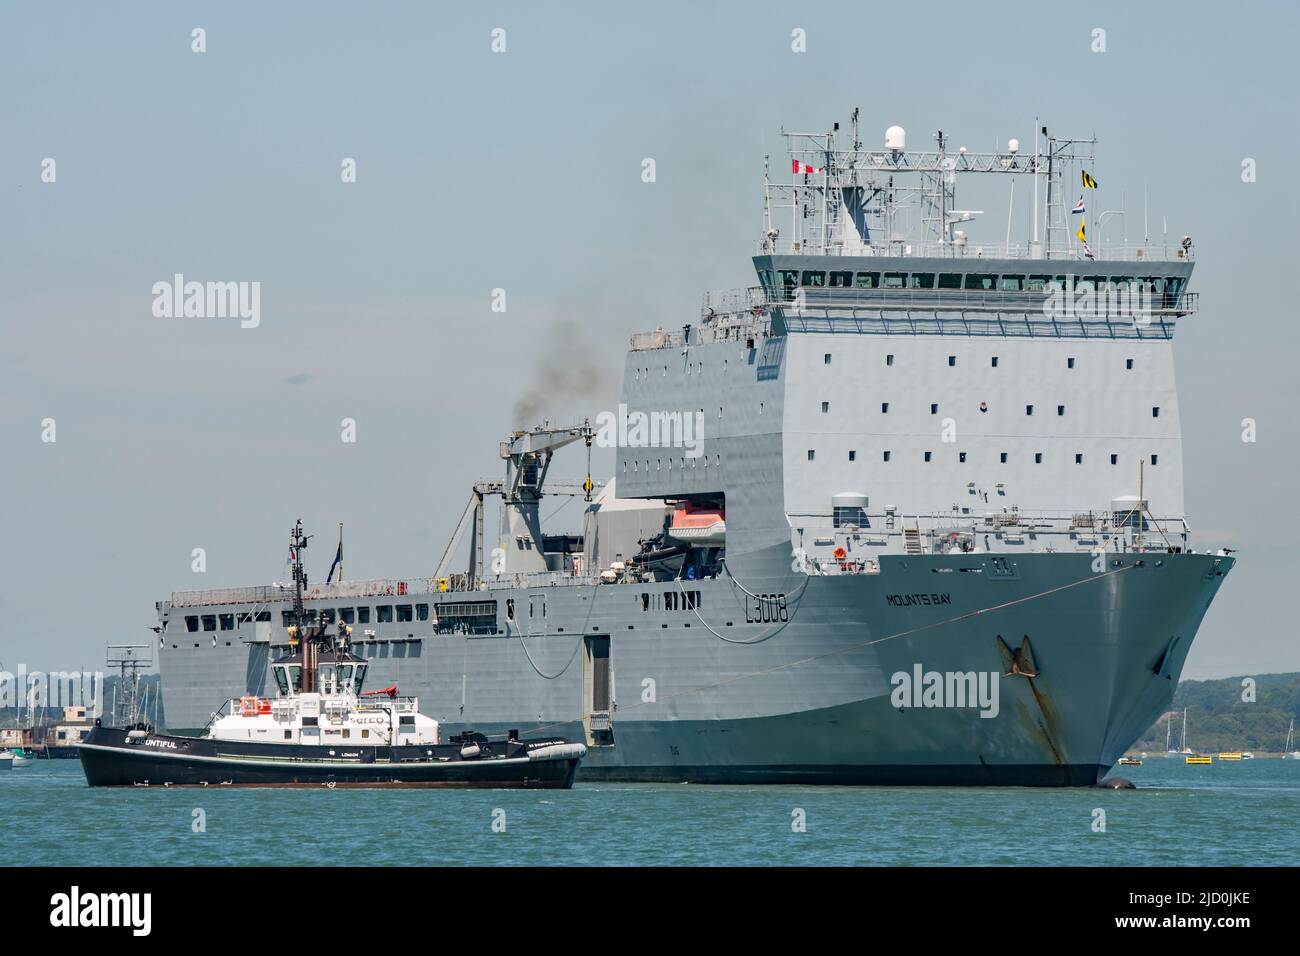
[338, 712]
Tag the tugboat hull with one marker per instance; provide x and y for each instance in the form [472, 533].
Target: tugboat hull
[117, 757]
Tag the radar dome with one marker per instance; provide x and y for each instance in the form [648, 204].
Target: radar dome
[896, 138]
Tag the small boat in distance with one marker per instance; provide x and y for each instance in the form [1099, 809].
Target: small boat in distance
[323, 730]
[1131, 761]
[1230, 755]
[1287, 752]
[1199, 759]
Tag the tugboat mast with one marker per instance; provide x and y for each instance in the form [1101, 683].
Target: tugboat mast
[307, 641]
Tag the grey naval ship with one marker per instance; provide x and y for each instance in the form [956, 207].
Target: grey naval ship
[907, 511]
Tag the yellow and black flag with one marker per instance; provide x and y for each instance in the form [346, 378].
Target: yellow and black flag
[1088, 181]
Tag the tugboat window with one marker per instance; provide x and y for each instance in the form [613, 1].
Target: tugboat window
[295, 678]
[282, 680]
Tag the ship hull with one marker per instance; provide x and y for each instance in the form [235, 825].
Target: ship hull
[740, 691]
[110, 758]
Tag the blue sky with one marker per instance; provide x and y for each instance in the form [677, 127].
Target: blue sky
[521, 171]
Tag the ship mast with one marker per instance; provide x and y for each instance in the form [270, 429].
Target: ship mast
[306, 641]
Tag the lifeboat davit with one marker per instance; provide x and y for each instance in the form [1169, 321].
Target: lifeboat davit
[700, 527]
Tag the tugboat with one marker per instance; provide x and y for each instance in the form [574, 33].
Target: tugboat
[323, 730]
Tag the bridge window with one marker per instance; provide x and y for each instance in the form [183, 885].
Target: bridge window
[921, 280]
[814, 279]
[978, 281]
[789, 279]
[363, 615]
[1037, 283]
[286, 618]
[868, 280]
[227, 622]
[209, 622]
[348, 615]
[327, 615]
[950, 280]
[894, 280]
[1012, 283]
[841, 280]
[422, 612]
[264, 616]
[192, 623]
[403, 613]
[854, 517]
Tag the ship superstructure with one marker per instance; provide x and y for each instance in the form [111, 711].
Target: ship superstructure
[910, 510]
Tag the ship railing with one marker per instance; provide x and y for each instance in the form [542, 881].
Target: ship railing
[378, 587]
[939, 531]
[1104, 304]
[537, 579]
[399, 705]
[932, 249]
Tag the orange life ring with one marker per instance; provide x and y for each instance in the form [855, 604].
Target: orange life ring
[840, 554]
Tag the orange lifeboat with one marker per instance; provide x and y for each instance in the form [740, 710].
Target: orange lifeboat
[701, 527]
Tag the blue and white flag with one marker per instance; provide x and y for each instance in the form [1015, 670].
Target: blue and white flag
[1078, 207]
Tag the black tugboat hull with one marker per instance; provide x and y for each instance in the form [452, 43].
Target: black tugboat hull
[112, 758]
